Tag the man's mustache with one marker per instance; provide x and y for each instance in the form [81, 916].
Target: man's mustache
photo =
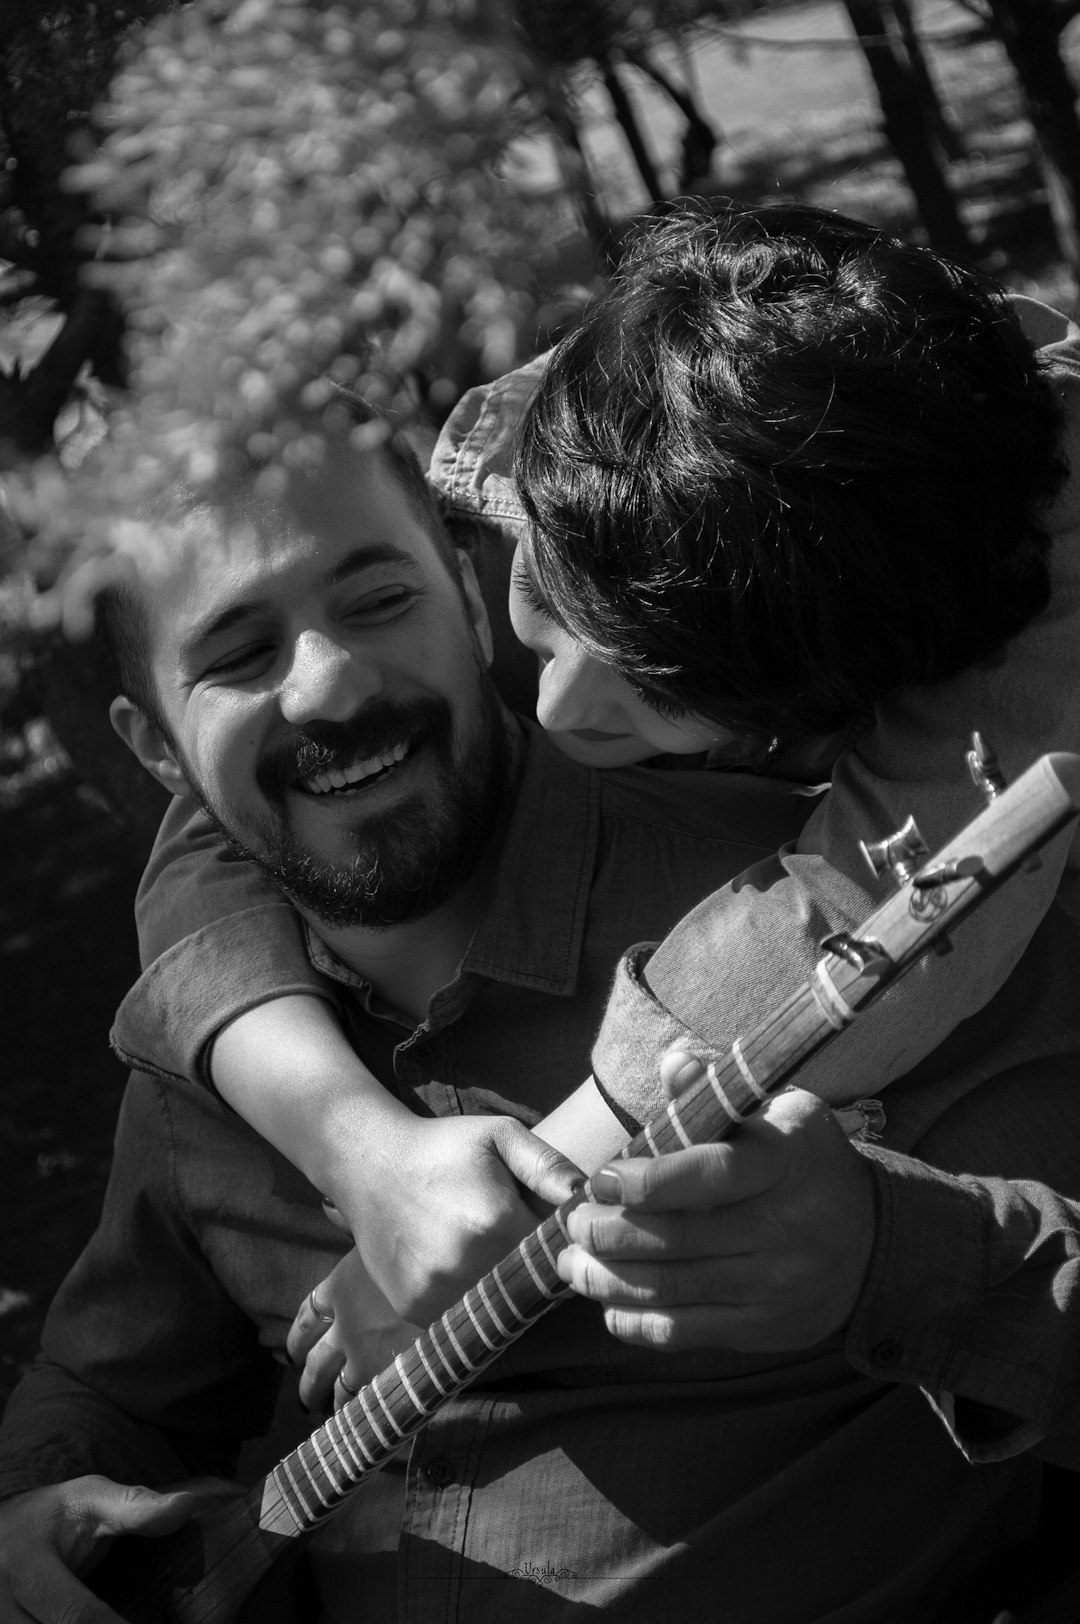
[319, 747]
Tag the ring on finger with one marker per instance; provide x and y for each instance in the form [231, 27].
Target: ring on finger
[320, 1313]
[347, 1386]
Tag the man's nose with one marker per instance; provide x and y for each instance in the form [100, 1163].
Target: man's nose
[575, 689]
[327, 681]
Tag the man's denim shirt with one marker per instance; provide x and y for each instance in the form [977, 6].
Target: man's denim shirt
[935, 1327]
[580, 1471]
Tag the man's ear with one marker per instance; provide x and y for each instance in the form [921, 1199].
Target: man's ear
[144, 741]
[474, 602]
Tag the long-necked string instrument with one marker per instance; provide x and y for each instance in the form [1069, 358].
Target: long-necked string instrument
[203, 1573]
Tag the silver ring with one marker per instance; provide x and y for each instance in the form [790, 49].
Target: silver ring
[347, 1387]
[320, 1313]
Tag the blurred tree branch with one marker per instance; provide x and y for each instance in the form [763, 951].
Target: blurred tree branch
[270, 199]
[1030, 31]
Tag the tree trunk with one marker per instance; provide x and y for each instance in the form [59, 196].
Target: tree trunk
[944, 130]
[1029, 31]
[904, 124]
[30, 403]
[699, 140]
[627, 118]
[574, 166]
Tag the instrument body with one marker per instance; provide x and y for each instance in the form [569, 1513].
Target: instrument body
[205, 1571]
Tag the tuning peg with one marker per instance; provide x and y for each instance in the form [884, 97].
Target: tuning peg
[985, 768]
[901, 853]
[864, 954]
[961, 868]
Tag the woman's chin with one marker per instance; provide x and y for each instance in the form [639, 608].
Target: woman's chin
[621, 750]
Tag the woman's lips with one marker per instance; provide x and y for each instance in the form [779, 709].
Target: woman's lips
[592, 735]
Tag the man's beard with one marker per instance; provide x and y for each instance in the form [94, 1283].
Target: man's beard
[410, 858]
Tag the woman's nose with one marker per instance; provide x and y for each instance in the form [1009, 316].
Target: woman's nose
[575, 689]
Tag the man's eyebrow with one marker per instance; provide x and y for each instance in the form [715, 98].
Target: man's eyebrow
[361, 558]
[358, 559]
[214, 625]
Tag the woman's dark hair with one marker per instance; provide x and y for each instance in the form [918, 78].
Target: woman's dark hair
[787, 463]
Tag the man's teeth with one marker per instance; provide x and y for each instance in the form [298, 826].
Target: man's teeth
[342, 777]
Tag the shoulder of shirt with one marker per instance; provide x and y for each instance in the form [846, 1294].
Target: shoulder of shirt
[1057, 340]
[1044, 326]
[706, 805]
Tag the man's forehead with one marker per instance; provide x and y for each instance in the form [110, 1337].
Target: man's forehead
[349, 491]
[354, 513]
[211, 554]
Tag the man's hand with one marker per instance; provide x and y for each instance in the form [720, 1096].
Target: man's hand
[758, 1243]
[440, 1204]
[50, 1535]
[344, 1333]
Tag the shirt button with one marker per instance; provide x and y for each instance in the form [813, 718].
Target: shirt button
[887, 1352]
[439, 1471]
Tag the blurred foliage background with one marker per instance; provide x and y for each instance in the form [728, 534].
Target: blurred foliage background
[212, 211]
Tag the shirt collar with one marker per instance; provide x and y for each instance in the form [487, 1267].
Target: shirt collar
[532, 931]
[533, 928]
[472, 464]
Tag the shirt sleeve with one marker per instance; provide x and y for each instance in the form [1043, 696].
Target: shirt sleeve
[970, 1294]
[56, 1428]
[215, 940]
[149, 1372]
[747, 947]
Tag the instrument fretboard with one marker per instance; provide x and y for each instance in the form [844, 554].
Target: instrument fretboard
[361, 1436]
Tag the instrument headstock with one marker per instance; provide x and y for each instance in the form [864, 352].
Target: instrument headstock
[933, 893]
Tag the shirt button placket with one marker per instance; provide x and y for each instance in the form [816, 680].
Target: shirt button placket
[439, 1471]
[887, 1352]
[442, 1482]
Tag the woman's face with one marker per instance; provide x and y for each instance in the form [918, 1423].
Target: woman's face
[592, 713]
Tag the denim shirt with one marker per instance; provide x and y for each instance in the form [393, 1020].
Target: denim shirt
[579, 1472]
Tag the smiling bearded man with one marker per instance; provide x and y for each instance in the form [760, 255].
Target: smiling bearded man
[369, 817]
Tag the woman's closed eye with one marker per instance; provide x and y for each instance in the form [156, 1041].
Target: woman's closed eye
[656, 702]
[530, 593]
